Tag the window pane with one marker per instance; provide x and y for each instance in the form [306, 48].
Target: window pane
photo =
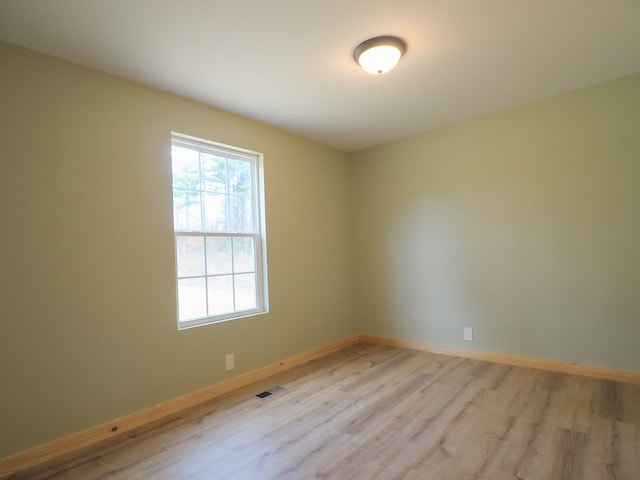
[238, 177]
[192, 298]
[214, 212]
[218, 255]
[186, 210]
[185, 168]
[245, 290]
[240, 214]
[190, 254]
[243, 255]
[220, 295]
[213, 173]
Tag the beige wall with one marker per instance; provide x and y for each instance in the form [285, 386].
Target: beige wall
[524, 225]
[87, 295]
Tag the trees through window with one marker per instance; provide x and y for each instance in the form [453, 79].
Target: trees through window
[219, 240]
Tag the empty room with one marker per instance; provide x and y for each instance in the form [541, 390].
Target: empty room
[337, 240]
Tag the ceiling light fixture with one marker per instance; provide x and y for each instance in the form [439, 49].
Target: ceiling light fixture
[378, 55]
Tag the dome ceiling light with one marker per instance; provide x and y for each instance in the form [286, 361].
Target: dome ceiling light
[378, 55]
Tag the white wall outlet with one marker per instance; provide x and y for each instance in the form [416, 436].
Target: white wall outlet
[229, 361]
[467, 334]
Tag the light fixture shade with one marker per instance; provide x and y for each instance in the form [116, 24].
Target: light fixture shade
[380, 54]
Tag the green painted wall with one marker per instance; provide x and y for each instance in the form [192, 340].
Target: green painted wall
[524, 225]
[87, 294]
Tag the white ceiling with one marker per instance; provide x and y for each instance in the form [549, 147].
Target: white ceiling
[288, 62]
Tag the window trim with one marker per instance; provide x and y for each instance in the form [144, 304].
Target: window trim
[259, 234]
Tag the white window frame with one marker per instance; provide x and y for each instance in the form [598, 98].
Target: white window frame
[258, 234]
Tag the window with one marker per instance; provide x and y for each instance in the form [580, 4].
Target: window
[219, 241]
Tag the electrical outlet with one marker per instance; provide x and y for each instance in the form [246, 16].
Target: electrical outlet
[467, 334]
[229, 361]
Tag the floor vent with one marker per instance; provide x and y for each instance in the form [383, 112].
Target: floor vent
[269, 393]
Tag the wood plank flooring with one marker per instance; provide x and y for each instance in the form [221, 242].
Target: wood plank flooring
[379, 412]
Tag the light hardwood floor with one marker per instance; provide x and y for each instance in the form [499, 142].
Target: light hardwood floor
[379, 412]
